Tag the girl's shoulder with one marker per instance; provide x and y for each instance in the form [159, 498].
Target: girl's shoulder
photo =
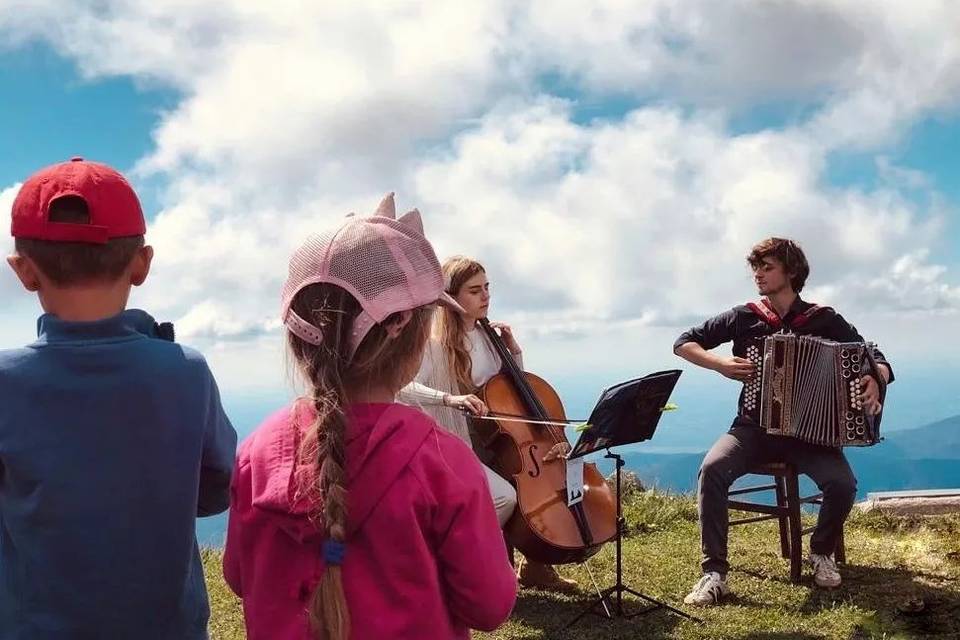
[266, 461]
[274, 429]
[444, 456]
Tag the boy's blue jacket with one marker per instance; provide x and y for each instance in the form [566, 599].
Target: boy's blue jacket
[112, 442]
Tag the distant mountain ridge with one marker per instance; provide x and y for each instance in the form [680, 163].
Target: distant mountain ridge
[938, 440]
[926, 457]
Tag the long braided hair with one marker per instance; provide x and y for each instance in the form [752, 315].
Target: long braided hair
[331, 375]
[448, 325]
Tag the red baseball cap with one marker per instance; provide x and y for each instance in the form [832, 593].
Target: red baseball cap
[113, 205]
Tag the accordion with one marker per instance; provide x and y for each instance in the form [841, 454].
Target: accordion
[808, 388]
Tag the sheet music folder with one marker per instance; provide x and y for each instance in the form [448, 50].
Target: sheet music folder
[627, 413]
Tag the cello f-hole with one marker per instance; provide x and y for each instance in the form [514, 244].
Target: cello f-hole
[536, 465]
[543, 526]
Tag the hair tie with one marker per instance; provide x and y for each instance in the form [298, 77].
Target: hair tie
[333, 552]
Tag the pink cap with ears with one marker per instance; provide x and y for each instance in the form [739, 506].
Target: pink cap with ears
[384, 262]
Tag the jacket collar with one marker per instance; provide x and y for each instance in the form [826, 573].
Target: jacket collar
[126, 324]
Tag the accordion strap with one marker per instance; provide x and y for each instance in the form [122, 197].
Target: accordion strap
[802, 318]
[766, 312]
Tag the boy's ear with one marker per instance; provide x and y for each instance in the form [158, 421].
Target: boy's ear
[26, 271]
[140, 265]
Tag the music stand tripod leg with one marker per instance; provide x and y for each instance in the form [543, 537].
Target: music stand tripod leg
[619, 588]
[658, 605]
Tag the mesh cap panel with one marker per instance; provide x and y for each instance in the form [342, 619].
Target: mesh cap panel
[367, 264]
[385, 263]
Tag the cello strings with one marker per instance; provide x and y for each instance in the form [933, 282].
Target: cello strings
[521, 385]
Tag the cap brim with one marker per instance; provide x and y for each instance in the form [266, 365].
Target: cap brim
[447, 300]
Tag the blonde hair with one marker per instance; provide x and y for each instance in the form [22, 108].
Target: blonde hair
[331, 376]
[448, 324]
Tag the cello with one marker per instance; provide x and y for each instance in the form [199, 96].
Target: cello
[542, 526]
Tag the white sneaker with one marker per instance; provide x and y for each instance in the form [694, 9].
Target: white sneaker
[825, 572]
[709, 590]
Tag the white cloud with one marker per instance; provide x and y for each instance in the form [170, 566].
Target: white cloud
[210, 321]
[652, 217]
[293, 114]
[911, 283]
[18, 308]
[8, 282]
[6, 204]
[901, 177]
[289, 94]
[702, 51]
[870, 66]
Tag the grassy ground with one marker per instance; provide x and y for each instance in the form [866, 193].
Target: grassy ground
[893, 564]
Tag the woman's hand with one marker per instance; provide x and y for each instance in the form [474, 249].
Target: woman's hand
[470, 403]
[506, 334]
[557, 452]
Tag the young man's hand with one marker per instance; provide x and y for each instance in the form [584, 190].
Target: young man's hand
[870, 395]
[736, 368]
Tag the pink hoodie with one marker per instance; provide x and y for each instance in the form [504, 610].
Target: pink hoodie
[425, 556]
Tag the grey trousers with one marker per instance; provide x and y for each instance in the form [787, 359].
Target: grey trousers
[745, 446]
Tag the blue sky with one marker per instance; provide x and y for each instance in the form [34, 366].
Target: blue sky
[610, 179]
[931, 146]
[49, 112]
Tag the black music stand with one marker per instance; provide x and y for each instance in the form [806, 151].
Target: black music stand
[626, 413]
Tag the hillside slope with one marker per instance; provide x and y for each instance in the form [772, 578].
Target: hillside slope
[892, 563]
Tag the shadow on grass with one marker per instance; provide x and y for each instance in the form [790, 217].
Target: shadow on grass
[779, 635]
[783, 579]
[917, 604]
[552, 613]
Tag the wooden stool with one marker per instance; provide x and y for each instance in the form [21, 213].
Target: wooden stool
[786, 484]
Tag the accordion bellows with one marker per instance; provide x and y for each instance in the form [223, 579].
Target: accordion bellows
[808, 388]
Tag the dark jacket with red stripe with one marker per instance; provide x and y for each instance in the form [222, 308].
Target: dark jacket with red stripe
[745, 323]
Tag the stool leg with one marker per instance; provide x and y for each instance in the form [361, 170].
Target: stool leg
[796, 529]
[782, 518]
[840, 553]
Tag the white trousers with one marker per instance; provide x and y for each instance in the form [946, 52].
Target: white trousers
[503, 493]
